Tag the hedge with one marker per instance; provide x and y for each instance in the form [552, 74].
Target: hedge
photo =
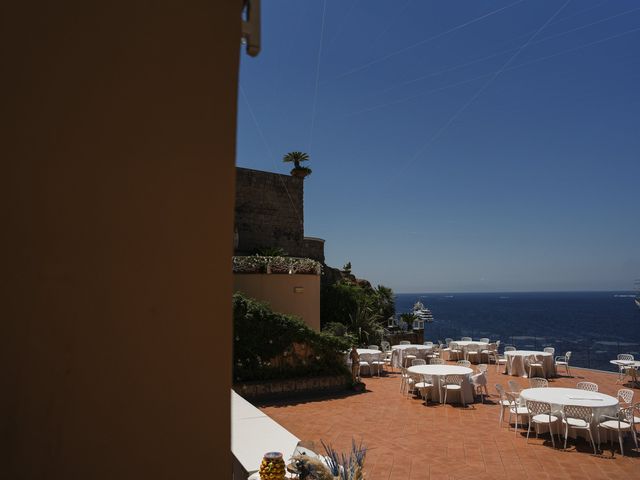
[271, 345]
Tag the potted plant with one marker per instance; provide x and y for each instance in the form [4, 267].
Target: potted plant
[297, 157]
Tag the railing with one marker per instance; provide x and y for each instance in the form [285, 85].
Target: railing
[585, 352]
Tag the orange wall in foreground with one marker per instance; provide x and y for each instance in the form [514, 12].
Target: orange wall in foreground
[280, 292]
[117, 234]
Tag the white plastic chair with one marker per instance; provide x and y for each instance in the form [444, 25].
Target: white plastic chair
[436, 361]
[622, 423]
[377, 363]
[447, 341]
[453, 383]
[408, 354]
[625, 396]
[484, 340]
[588, 386]
[479, 381]
[406, 383]
[482, 367]
[472, 352]
[550, 350]
[466, 339]
[515, 409]
[514, 387]
[418, 361]
[428, 344]
[405, 342]
[463, 363]
[537, 382]
[578, 418]
[563, 360]
[424, 386]
[535, 363]
[373, 347]
[624, 368]
[540, 414]
[504, 402]
[385, 346]
[509, 348]
[454, 351]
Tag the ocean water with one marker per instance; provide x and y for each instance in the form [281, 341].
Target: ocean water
[594, 326]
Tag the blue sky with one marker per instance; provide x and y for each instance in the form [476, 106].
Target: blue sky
[457, 146]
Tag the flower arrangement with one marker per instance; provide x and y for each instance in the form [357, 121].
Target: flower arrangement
[277, 264]
[335, 466]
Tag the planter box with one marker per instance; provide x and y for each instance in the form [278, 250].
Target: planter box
[304, 386]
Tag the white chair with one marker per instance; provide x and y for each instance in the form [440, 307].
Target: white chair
[623, 369]
[550, 350]
[535, 363]
[472, 352]
[406, 381]
[405, 342]
[515, 409]
[447, 341]
[463, 363]
[495, 357]
[514, 387]
[482, 368]
[509, 348]
[428, 344]
[622, 423]
[453, 383]
[378, 362]
[484, 340]
[504, 402]
[578, 418]
[479, 381]
[424, 386]
[385, 346]
[454, 351]
[588, 386]
[625, 396]
[364, 364]
[537, 382]
[540, 414]
[466, 339]
[418, 361]
[409, 354]
[563, 360]
[373, 347]
[436, 361]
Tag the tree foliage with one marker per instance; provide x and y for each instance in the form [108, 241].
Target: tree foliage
[270, 345]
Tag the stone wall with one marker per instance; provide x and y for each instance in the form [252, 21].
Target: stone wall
[269, 212]
[314, 248]
[274, 389]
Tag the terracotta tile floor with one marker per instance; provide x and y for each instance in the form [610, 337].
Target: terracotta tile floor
[408, 440]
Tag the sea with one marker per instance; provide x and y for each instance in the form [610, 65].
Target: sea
[594, 326]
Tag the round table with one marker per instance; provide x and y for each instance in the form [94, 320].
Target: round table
[518, 362]
[630, 367]
[601, 403]
[438, 372]
[463, 344]
[397, 352]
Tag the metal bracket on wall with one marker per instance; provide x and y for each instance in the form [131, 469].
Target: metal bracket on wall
[251, 26]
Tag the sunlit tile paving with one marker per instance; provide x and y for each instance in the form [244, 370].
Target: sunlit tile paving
[407, 439]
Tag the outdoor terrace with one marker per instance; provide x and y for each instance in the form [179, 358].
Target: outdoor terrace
[407, 439]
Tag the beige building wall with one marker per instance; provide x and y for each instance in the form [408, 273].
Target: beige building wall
[116, 200]
[293, 294]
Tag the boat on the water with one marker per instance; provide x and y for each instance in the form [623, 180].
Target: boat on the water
[637, 297]
[423, 315]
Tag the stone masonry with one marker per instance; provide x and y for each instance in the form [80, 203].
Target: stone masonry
[269, 212]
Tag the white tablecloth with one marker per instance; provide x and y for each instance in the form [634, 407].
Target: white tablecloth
[463, 344]
[518, 363]
[397, 352]
[437, 373]
[601, 403]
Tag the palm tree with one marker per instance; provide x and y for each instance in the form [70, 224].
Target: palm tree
[296, 158]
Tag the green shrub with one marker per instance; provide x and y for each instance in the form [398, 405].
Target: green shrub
[270, 345]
